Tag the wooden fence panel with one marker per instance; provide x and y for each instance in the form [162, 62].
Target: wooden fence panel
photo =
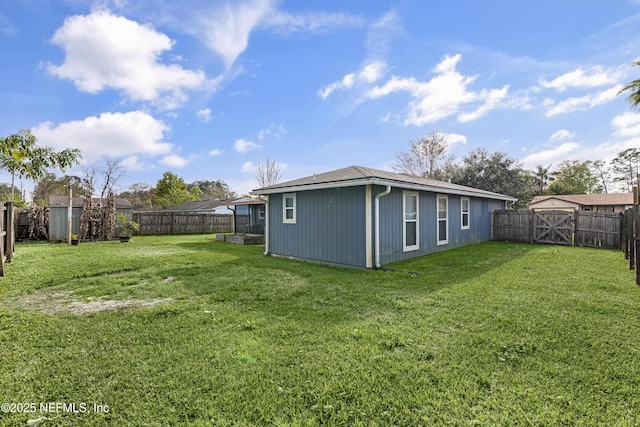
[182, 223]
[512, 226]
[580, 228]
[598, 229]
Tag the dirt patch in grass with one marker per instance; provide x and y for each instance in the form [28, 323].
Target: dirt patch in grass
[54, 302]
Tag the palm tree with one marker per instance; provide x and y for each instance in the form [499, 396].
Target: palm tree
[634, 87]
[542, 175]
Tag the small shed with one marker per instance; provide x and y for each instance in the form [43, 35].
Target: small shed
[614, 202]
[362, 217]
[58, 211]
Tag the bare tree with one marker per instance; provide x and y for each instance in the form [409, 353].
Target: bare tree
[268, 173]
[426, 157]
[113, 173]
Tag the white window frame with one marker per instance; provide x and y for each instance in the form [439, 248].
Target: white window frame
[286, 220]
[415, 247]
[463, 213]
[261, 211]
[445, 219]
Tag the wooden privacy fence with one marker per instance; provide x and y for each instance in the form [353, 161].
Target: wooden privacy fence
[183, 223]
[7, 236]
[579, 228]
[631, 239]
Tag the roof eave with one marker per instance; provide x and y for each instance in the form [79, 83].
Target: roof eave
[383, 182]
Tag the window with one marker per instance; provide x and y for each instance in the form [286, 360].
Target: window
[443, 220]
[261, 210]
[464, 213]
[410, 237]
[289, 208]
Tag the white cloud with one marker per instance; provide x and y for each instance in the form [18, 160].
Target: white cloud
[243, 145]
[132, 163]
[627, 124]
[454, 139]
[379, 37]
[226, 29]
[6, 27]
[554, 155]
[105, 50]
[276, 130]
[583, 103]
[174, 161]
[561, 135]
[381, 33]
[370, 73]
[493, 99]
[578, 78]
[442, 95]
[204, 114]
[249, 167]
[215, 152]
[312, 22]
[112, 134]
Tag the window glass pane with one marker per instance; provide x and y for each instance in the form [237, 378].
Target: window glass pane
[410, 205]
[288, 202]
[411, 233]
[465, 206]
[442, 204]
[289, 213]
[465, 220]
[442, 230]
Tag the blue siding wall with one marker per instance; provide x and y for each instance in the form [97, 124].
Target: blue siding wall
[330, 226]
[391, 224]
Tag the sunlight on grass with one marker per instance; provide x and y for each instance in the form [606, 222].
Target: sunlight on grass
[490, 334]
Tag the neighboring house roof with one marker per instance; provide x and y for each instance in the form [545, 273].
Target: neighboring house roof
[358, 175]
[615, 199]
[63, 202]
[197, 205]
[244, 201]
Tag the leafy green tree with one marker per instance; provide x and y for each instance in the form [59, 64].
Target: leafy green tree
[171, 190]
[542, 176]
[20, 154]
[634, 89]
[7, 194]
[212, 189]
[496, 172]
[575, 177]
[140, 195]
[51, 185]
[626, 167]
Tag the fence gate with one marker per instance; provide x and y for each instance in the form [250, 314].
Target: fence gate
[554, 227]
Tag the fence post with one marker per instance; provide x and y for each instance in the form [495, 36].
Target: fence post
[11, 235]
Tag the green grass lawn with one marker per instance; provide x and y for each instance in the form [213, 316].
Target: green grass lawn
[191, 331]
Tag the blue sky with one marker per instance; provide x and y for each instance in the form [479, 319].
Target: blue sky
[209, 89]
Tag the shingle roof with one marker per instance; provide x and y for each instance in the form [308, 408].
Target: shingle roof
[63, 201]
[359, 175]
[616, 199]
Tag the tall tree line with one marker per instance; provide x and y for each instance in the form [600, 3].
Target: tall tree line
[498, 172]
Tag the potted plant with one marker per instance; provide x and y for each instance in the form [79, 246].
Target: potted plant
[127, 227]
[75, 240]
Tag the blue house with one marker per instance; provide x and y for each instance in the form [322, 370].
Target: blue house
[365, 218]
